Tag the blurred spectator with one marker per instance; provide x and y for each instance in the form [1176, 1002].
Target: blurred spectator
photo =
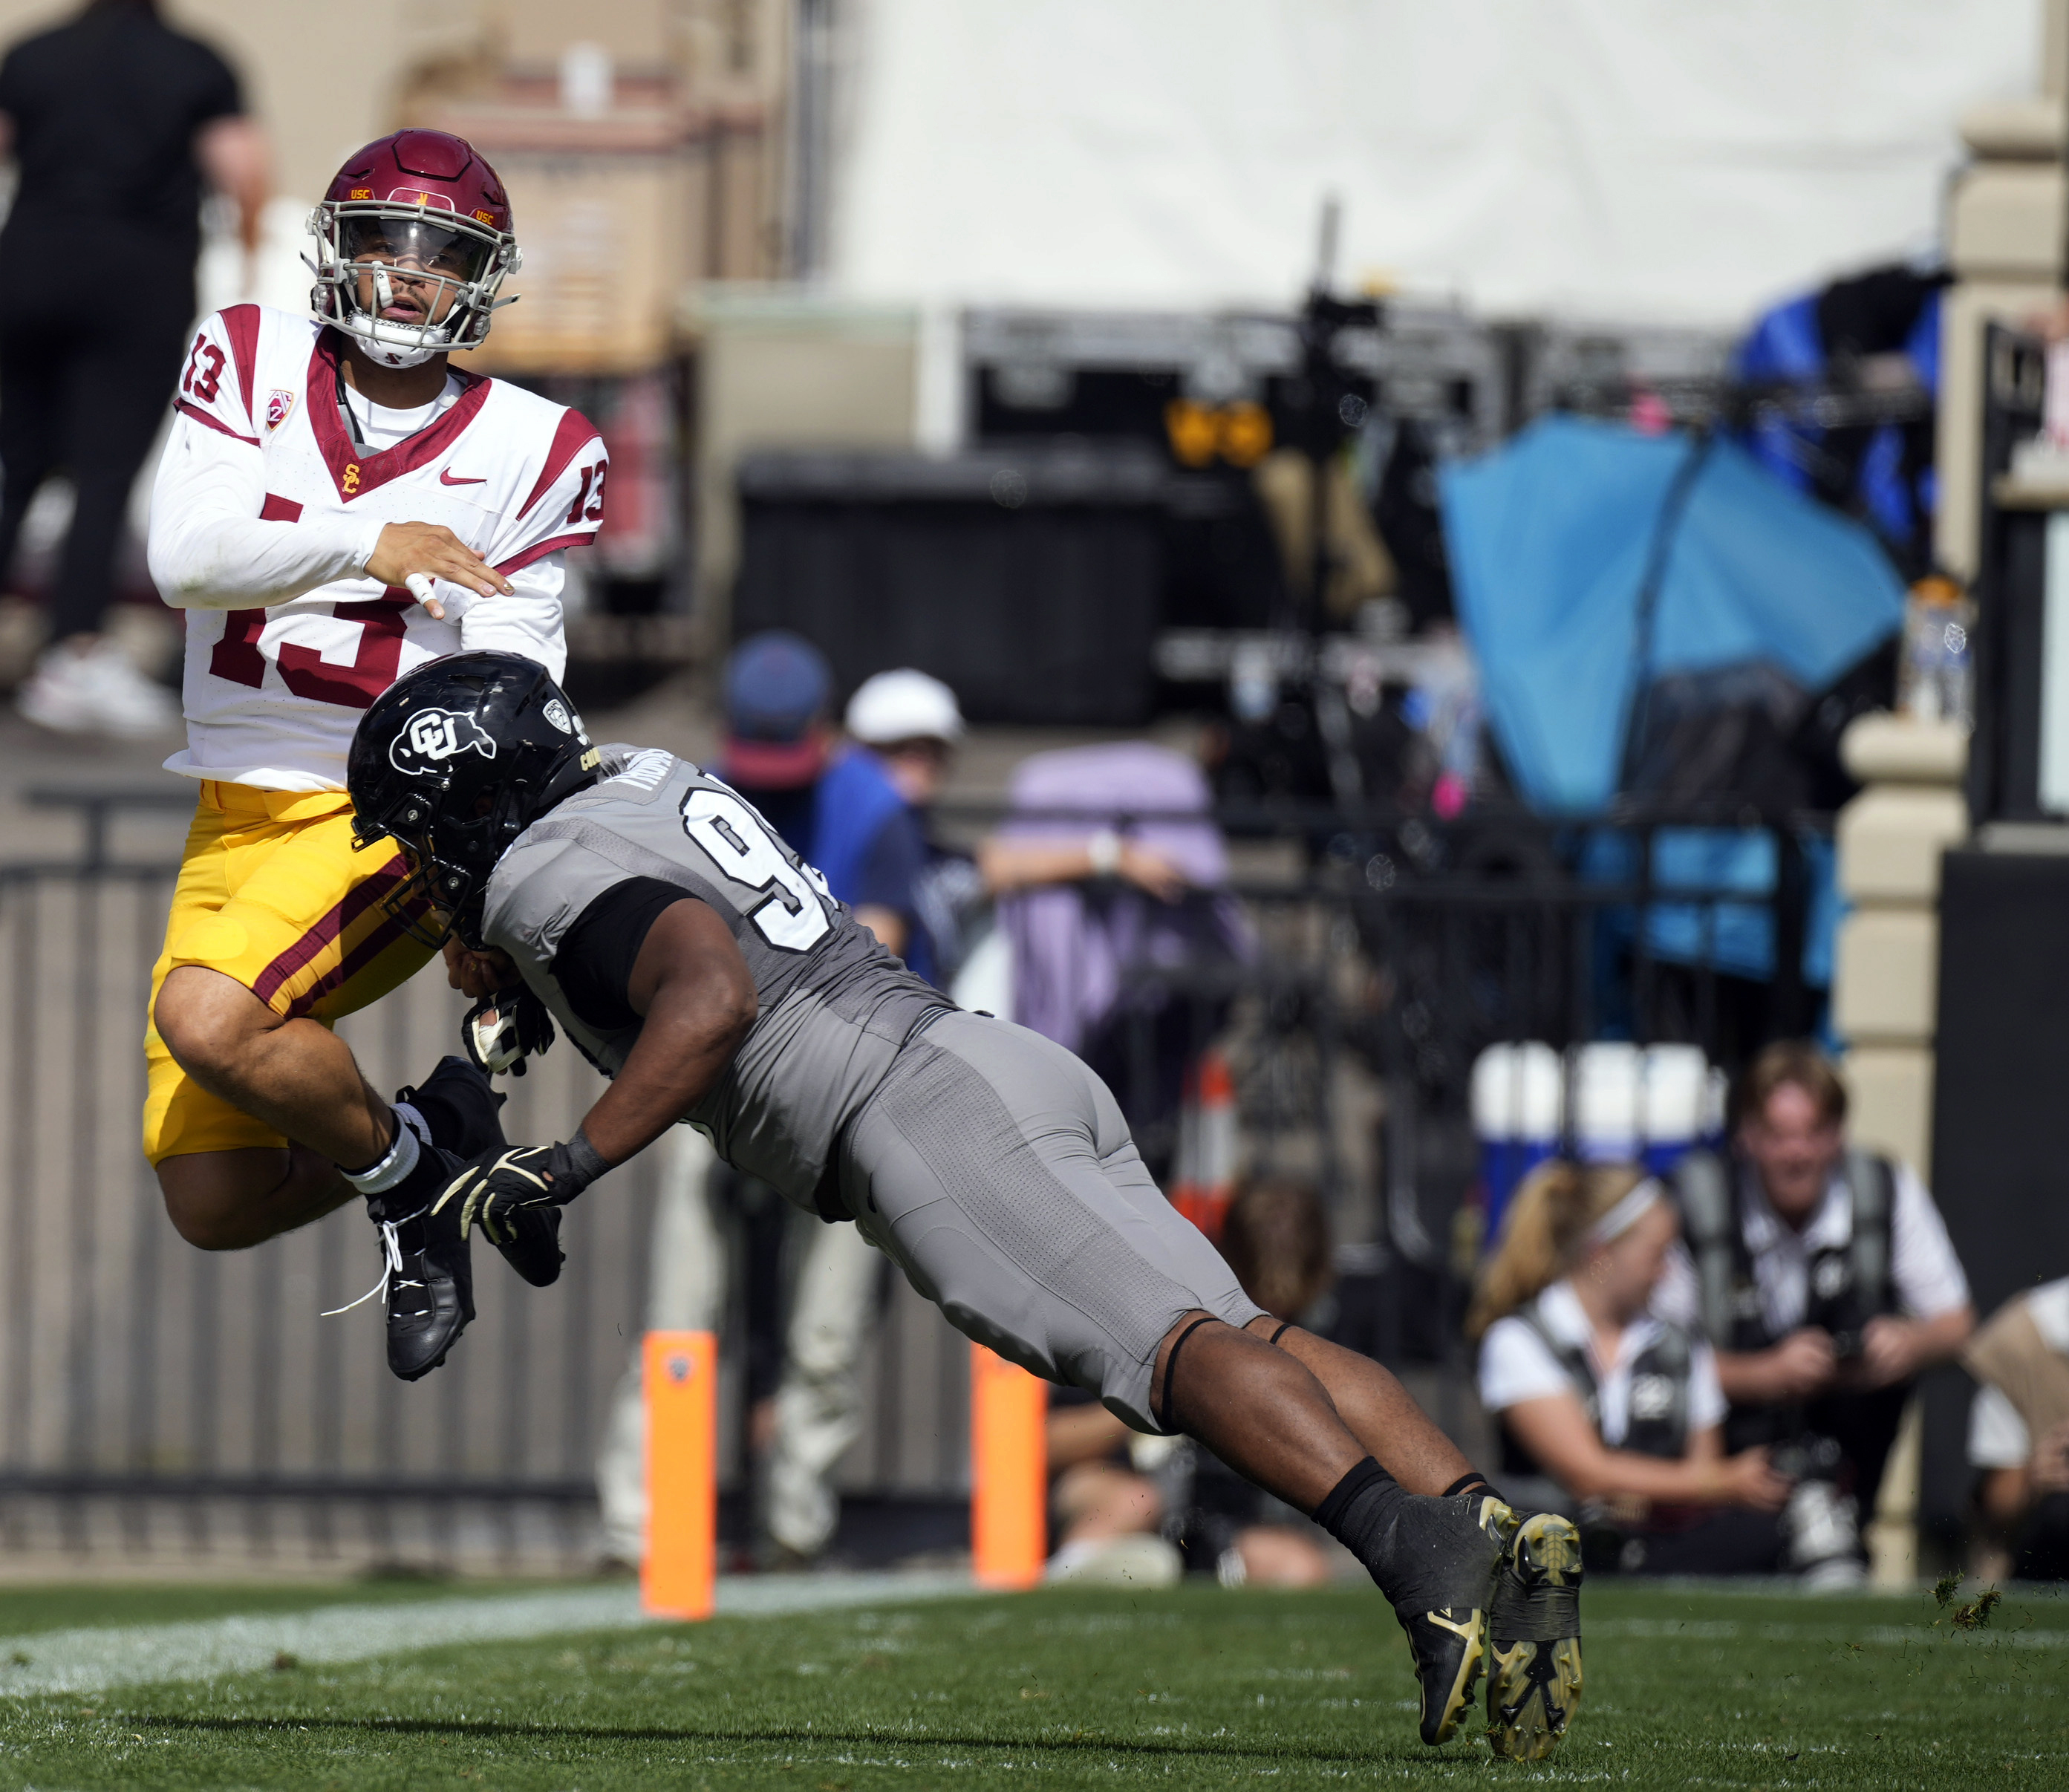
[1108, 872]
[851, 814]
[1276, 1239]
[1605, 1410]
[1823, 1277]
[1106, 1508]
[112, 120]
[2018, 1435]
[838, 807]
[1114, 1489]
[909, 724]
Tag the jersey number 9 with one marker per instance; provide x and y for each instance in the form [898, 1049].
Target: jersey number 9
[794, 918]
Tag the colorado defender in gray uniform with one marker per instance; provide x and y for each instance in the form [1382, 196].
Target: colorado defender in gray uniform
[703, 967]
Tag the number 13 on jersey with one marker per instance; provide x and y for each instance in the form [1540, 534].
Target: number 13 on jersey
[794, 917]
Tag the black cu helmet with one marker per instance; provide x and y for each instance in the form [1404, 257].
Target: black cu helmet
[454, 761]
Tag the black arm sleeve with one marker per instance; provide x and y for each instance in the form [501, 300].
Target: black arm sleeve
[593, 966]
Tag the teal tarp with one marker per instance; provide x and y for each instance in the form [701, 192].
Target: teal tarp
[1549, 538]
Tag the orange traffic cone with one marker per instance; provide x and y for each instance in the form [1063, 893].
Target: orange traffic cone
[1203, 1178]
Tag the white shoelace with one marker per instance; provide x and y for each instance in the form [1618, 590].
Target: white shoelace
[391, 1269]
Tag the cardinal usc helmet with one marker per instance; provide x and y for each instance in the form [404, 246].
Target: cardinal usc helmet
[414, 240]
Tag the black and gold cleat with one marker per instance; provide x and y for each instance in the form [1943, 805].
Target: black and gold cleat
[1443, 1558]
[1534, 1639]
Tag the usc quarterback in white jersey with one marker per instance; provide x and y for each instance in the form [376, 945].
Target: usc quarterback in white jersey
[318, 471]
[266, 511]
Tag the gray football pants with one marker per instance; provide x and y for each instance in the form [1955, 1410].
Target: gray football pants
[995, 1170]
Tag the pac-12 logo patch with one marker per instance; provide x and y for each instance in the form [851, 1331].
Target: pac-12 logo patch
[280, 403]
[434, 736]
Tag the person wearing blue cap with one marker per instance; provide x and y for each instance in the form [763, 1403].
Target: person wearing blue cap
[836, 806]
[839, 811]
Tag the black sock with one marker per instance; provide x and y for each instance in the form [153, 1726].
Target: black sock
[1360, 1512]
[1473, 1481]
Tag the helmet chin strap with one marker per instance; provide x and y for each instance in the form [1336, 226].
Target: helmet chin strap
[385, 355]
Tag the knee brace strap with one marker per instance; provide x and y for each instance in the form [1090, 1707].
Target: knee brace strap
[1170, 1364]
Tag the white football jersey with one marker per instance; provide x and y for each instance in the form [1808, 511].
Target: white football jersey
[265, 513]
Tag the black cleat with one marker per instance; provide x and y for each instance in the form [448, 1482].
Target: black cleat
[1444, 1556]
[1534, 1639]
[460, 1105]
[427, 1277]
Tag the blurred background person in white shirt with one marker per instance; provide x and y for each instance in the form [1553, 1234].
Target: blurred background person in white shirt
[1607, 1412]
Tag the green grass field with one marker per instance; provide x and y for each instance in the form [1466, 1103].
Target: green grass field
[1196, 1689]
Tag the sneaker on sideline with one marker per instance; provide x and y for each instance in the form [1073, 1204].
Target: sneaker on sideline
[98, 691]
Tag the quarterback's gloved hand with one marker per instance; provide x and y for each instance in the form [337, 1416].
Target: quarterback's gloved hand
[497, 1183]
[502, 1031]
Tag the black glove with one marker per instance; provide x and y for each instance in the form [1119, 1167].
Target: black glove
[497, 1183]
[502, 1031]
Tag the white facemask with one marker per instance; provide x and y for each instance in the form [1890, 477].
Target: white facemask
[389, 354]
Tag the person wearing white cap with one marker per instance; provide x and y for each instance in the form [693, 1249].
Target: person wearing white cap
[911, 722]
[908, 723]
[1621, 1410]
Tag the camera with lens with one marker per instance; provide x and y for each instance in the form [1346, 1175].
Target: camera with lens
[1821, 1526]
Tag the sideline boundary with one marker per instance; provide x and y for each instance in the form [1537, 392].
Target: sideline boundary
[91, 1659]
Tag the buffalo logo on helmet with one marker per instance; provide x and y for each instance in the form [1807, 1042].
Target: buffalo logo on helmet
[432, 736]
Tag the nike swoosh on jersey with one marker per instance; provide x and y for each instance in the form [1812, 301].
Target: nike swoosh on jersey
[445, 478]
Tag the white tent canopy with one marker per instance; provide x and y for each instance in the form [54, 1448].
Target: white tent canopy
[1669, 161]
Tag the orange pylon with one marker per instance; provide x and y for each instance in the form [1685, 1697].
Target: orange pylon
[1009, 1472]
[679, 1375]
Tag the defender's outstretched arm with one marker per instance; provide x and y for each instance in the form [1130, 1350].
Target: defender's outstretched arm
[696, 997]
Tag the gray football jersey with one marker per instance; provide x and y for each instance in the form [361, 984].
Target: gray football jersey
[835, 1005]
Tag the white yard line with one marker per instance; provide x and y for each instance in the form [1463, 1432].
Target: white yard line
[90, 1660]
[1890, 1636]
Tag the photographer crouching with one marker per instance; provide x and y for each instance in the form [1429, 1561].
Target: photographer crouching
[1824, 1279]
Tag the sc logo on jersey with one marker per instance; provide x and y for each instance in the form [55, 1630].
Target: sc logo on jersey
[434, 736]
